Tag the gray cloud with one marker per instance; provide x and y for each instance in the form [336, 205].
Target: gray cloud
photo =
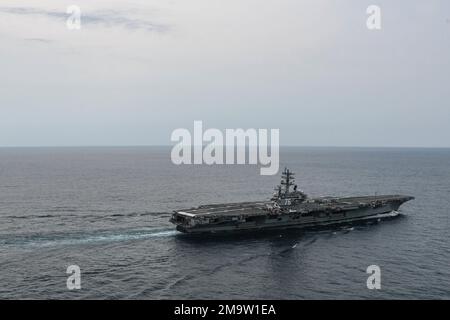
[108, 18]
[42, 40]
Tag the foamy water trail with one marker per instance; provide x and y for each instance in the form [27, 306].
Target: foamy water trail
[80, 239]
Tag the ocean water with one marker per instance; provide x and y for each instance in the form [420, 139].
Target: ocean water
[107, 209]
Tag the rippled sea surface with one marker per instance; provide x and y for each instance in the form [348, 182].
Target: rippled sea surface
[107, 209]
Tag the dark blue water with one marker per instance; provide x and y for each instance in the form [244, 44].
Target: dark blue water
[105, 210]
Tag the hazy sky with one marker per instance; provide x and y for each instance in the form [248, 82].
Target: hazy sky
[139, 69]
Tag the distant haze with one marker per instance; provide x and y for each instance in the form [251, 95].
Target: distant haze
[139, 69]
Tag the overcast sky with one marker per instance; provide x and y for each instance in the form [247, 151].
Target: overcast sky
[138, 69]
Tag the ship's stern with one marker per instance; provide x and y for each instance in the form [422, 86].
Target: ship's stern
[182, 220]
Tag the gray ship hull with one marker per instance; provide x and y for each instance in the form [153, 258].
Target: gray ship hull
[253, 216]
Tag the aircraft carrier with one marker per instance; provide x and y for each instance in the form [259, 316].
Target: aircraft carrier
[286, 209]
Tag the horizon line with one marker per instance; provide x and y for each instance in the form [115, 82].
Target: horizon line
[281, 146]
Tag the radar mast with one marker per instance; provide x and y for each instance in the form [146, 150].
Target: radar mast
[287, 180]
